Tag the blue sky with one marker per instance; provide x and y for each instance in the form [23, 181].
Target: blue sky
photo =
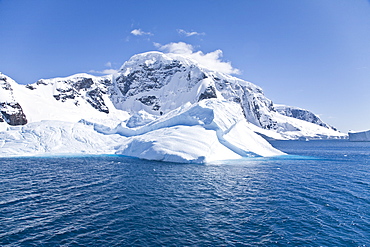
[314, 54]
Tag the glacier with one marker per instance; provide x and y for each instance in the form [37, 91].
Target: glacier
[158, 106]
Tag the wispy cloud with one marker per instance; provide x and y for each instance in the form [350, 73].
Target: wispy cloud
[139, 32]
[104, 72]
[157, 45]
[107, 71]
[211, 60]
[188, 34]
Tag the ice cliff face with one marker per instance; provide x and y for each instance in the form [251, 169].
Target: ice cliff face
[158, 106]
[360, 136]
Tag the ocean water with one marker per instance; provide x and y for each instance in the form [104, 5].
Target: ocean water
[318, 196]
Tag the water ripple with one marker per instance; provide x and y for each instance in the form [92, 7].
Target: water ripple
[118, 201]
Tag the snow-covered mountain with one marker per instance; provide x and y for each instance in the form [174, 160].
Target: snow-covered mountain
[302, 114]
[158, 106]
[158, 83]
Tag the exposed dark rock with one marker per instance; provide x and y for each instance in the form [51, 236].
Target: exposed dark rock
[13, 114]
[271, 124]
[31, 87]
[237, 100]
[209, 93]
[11, 111]
[65, 94]
[125, 82]
[235, 87]
[81, 89]
[173, 64]
[41, 82]
[6, 85]
[96, 100]
[147, 78]
[271, 107]
[106, 82]
[189, 76]
[148, 100]
[85, 83]
[156, 107]
[254, 108]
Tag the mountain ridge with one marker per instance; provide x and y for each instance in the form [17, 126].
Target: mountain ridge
[151, 87]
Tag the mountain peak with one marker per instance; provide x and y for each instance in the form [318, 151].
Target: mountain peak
[154, 59]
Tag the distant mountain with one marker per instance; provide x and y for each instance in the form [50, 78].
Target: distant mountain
[302, 114]
[152, 93]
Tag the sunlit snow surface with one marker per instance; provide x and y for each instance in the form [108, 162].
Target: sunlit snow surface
[158, 107]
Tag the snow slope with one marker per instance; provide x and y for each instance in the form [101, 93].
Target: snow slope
[158, 107]
[68, 99]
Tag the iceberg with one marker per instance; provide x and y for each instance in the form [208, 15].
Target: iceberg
[198, 133]
[360, 136]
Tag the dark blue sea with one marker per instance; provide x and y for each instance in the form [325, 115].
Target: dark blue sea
[317, 196]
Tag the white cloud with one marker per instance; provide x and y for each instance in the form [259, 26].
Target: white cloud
[177, 48]
[188, 34]
[108, 71]
[211, 60]
[139, 32]
[157, 45]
